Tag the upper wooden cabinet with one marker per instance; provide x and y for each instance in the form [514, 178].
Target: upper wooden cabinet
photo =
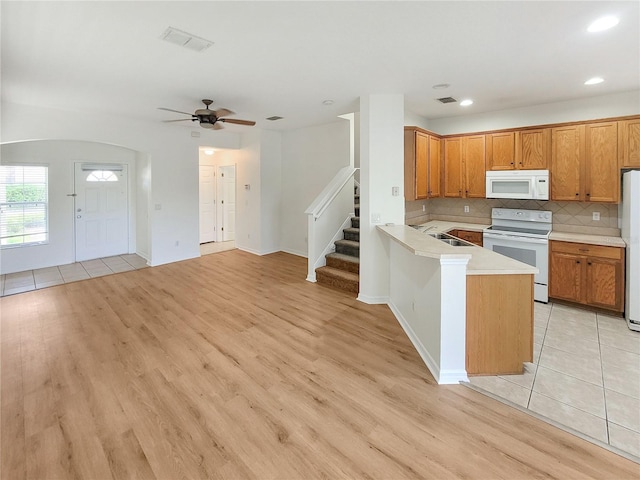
[602, 175]
[533, 149]
[584, 163]
[566, 162]
[453, 168]
[629, 143]
[421, 165]
[464, 167]
[501, 151]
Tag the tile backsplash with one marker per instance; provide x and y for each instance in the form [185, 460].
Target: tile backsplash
[575, 217]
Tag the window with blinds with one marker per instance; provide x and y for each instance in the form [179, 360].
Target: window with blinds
[24, 206]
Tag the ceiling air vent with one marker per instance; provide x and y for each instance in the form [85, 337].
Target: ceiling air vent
[186, 40]
[274, 118]
[447, 100]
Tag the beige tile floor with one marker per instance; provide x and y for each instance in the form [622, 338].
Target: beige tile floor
[585, 375]
[20, 282]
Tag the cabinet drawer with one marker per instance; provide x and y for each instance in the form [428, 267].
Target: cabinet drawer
[587, 250]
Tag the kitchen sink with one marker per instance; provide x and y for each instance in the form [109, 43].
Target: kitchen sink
[450, 239]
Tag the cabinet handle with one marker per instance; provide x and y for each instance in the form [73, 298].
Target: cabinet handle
[577, 194]
[578, 262]
[511, 163]
[588, 194]
[588, 263]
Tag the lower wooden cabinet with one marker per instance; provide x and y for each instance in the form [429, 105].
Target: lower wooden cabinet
[468, 235]
[587, 274]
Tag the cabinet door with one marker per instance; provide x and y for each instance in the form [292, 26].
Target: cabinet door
[422, 168]
[453, 167]
[533, 149]
[434, 167]
[474, 166]
[565, 276]
[602, 175]
[604, 283]
[471, 237]
[501, 151]
[567, 147]
[629, 143]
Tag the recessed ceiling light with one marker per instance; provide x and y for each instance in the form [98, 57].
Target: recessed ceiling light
[466, 103]
[603, 23]
[209, 151]
[594, 81]
[328, 102]
[441, 86]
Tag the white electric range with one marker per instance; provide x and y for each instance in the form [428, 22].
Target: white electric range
[524, 236]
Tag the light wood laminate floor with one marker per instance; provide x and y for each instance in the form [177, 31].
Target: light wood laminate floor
[233, 366]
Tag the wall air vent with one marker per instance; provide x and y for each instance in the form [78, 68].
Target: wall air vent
[274, 118]
[186, 40]
[447, 100]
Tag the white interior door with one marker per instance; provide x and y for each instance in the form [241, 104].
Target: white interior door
[207, 203]
[101, 211]
[228, 200]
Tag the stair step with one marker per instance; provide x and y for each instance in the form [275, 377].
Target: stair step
[343, 262]
[336, 278]
[355, 222]
[352, 234]
[348, 247]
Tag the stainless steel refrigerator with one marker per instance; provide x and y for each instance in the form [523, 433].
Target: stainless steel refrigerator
[631, 236]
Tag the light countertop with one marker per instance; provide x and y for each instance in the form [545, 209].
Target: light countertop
[444, 226]
[589, 239]
[607, 241]
[481, 260]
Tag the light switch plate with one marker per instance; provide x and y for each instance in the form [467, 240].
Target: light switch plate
[595, 216]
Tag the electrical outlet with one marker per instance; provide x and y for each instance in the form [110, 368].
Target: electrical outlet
[424, 208]
[595, 216]
[395, 191]
[466, 209]
[375, 218]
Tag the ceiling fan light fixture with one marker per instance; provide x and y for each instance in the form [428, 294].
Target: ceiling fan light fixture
[206, 124]
[594, 81]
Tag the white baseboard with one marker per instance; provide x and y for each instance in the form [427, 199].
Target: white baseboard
[373, 300]
[312, 278]
[293, 252]
[443, 377]
[428, 360]
[248, 250]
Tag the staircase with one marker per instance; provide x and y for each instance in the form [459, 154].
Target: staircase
[343, 266]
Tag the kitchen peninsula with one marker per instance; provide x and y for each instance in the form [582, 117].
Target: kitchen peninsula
[467, 310]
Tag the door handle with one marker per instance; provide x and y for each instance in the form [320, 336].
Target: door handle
[78, 216]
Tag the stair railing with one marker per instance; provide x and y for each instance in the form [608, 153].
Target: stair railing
[326, 217]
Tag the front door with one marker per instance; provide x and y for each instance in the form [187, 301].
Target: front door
[101, 211]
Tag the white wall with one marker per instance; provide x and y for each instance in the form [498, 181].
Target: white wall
[173, 159]
[248, 200]
[381, 168]
[60, 156]
[310, 159]
[615, 105]
[143, 201]
[414, 120]
[270, 191]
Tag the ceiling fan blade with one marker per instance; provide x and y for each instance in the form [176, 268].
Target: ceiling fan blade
[180, 120]
[223, 112]
[171, 110]
[217, 126]
[238, 121]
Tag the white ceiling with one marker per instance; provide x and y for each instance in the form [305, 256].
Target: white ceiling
[285, 58]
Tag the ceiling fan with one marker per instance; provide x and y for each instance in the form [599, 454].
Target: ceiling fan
[209, 118]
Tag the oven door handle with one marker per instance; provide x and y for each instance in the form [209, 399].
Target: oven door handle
[515, 238]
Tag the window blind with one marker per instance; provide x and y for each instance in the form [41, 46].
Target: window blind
[24, 205]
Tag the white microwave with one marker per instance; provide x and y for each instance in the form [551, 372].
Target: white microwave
[518, 184]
